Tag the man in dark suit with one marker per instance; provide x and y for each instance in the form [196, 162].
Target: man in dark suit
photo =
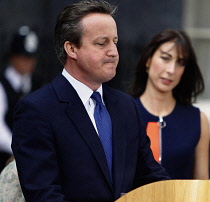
[57, 140]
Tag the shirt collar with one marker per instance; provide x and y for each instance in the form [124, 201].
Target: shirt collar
[15, 78]
[83, 91]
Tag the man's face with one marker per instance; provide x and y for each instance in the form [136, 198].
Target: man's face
[23, 64]
[97, 57]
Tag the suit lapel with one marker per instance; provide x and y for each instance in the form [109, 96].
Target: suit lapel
[78, 114]
[119, 138]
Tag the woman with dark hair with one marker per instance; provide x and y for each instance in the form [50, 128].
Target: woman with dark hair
[168, 80]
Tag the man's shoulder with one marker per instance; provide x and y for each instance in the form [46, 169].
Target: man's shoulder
[116, 93]
[44, 91]
[40, 95]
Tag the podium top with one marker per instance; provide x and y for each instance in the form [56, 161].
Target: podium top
[170, 191]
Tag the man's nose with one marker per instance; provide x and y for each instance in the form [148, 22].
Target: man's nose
[112, 51]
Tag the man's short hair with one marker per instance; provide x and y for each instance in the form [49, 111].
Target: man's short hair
[68, 25]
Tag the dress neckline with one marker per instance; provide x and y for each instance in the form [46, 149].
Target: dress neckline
[170, 114]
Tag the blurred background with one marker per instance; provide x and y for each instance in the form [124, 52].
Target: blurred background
[138, 21]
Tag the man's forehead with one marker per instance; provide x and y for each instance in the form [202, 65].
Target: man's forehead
[97, 19]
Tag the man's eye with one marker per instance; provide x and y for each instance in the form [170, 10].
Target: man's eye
[100, 44]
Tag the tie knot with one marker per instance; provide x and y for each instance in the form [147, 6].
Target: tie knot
[97, 97]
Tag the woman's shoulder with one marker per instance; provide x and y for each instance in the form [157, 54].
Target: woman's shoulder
[187, 108]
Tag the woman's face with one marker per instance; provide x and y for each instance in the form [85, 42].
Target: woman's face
[165, 68]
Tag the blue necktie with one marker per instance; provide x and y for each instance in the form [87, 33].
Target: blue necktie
[104, 126]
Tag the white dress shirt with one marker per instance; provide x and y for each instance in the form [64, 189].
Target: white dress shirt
[5, 133]
[18, 82]
[84, 93]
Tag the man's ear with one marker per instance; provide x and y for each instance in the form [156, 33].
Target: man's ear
[70, 49]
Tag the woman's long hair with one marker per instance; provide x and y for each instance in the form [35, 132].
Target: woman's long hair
[191, 83]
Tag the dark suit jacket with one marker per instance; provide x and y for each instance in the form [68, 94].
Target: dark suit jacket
[59, 154]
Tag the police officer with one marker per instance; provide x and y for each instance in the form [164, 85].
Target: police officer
[16, 81]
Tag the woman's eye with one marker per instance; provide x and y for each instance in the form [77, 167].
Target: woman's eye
[165, 58]
[181, 64]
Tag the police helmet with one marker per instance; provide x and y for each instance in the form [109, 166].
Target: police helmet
[24, 42]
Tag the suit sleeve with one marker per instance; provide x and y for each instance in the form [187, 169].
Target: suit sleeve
[147, 170]
[34, 146]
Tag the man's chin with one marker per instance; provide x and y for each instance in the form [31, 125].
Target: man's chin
[110, 76]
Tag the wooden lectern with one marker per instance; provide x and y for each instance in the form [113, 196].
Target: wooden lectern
[170, 191]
